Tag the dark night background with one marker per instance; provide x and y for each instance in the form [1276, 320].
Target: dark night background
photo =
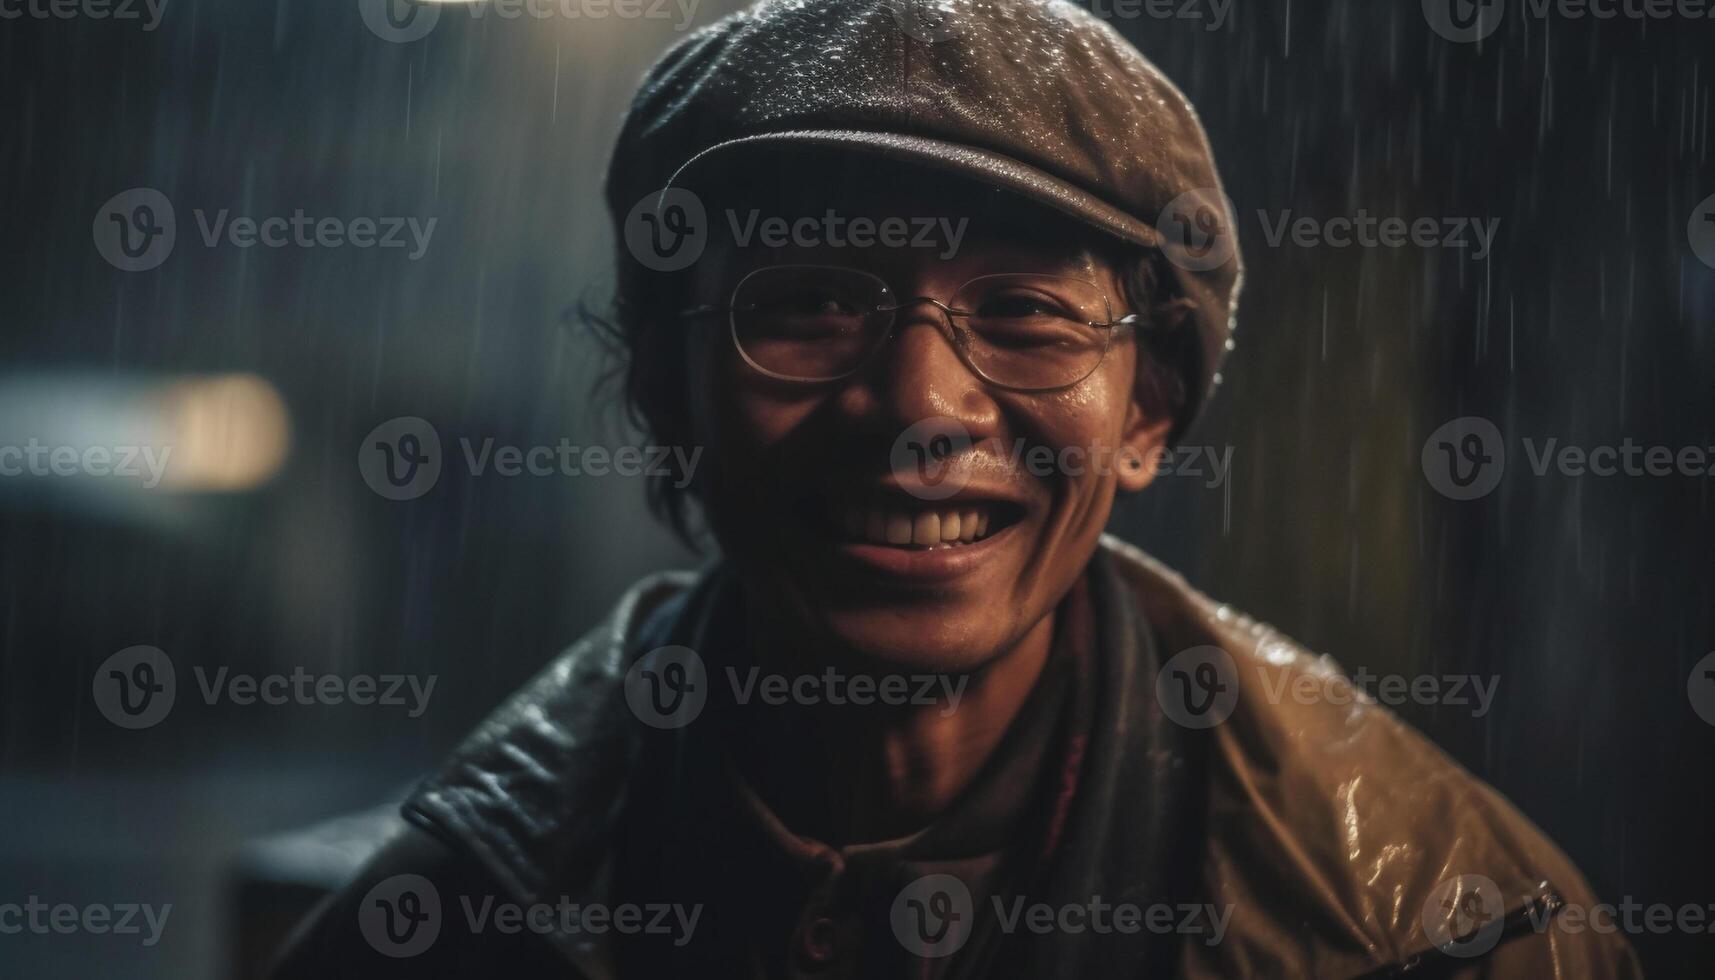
[1593, 322]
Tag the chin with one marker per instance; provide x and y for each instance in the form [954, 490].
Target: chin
[919, 638]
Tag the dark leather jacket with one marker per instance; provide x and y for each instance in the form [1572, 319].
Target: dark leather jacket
[1344, 843]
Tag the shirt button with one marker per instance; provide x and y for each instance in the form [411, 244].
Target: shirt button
[816, 940]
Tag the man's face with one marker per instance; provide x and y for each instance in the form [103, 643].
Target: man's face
[832, 499]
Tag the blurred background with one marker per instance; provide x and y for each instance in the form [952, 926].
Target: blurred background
[264, 549]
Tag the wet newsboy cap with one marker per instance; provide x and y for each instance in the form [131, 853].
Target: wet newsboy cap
[1037, 97]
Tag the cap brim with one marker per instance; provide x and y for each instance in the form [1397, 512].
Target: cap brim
[995, 169]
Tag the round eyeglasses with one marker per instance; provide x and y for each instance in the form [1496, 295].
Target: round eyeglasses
[1019, 331]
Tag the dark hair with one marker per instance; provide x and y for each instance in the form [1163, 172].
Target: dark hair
[644, 334]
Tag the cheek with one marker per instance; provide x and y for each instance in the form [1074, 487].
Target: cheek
[755, 421]
[1089, 420]
[743, 422]
[762, 420]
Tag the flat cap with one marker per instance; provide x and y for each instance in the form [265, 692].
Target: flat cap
[1038, 97]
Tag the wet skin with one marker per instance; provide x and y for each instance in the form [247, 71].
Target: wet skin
[786, 460]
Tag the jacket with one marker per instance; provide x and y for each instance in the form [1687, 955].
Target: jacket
[1342, 843]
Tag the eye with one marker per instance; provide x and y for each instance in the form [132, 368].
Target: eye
[808, 303]
[1030, 319]
[1022, 306]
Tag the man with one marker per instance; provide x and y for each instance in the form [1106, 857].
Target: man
[931, 286]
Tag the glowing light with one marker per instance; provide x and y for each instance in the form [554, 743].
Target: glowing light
[228, 432]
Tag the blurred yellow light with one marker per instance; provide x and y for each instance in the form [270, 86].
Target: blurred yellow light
[228, 432]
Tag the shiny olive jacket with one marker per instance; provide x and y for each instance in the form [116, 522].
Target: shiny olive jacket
[1344, 844]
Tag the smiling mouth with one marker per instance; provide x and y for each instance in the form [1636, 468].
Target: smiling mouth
[919, 525]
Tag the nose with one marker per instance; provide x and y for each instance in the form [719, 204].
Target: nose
[918, 374]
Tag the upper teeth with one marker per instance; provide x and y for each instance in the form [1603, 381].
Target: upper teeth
[921, 528]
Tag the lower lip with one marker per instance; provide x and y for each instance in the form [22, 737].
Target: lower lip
[922, 565]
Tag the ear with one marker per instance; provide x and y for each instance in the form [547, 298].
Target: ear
[1143, 444]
